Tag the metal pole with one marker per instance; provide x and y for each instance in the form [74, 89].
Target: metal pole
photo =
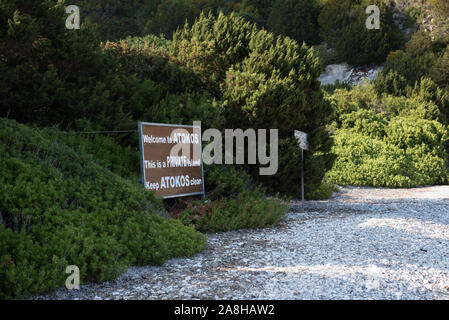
[302, 177]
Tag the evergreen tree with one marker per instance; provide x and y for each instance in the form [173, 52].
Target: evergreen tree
[440, 70]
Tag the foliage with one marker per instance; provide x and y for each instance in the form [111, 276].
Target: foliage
[419, 44]
[60, 207]
[323, 192]
[365, 122]
[211, 46]
[264, 82]
[226, 181]
[169, 16]
[384, 140]
[366, 161]
[405, 69]
[440, 70]
[441, 11]
[330, 88]
[149, 40]
[123, 161]
[326, 55]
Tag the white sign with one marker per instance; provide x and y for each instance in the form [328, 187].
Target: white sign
[302, 139]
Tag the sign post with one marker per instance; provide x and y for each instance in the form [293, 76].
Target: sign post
[304, 145]
[170, 159]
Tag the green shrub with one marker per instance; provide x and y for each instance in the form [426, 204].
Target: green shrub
[427, 90]
[440, 70]
[424, 101]
[244, 211]
[413, 153]
[296, 19]
[326, 56]
[323, 192]
[26, 266]
[147, 41]
[148, 62]
[123, 161]
[412, 69]
[441, 11]
[342, 25]
[391, 82]
[419, 44]
[64, 208]
[359, 97]
[411, 132]
[330, 88]
[211, 46]
[170, 15]
[385, 140]
[263, 82]
[68, 79]
[365, 122]
[226, 181]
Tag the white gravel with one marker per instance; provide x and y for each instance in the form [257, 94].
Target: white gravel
[364, 243]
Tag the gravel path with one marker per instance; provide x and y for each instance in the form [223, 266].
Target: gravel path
[364, 243]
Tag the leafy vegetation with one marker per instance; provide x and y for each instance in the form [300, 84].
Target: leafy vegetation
[389, 141]
[263, 82]
[342, 25]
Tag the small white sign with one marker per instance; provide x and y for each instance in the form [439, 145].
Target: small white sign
[302, 139]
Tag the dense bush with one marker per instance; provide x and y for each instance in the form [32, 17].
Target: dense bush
[123, 161]
[419, 44]
[391, 82]
[441, 11]
[440, 70]
[367, 161]
[365, 122]
[425, 101]
[405, 69]
[53, 75]
[226, 181]
[297, 19]
[431, 136]
[169, 16]
[60, 207]
[245, 210]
